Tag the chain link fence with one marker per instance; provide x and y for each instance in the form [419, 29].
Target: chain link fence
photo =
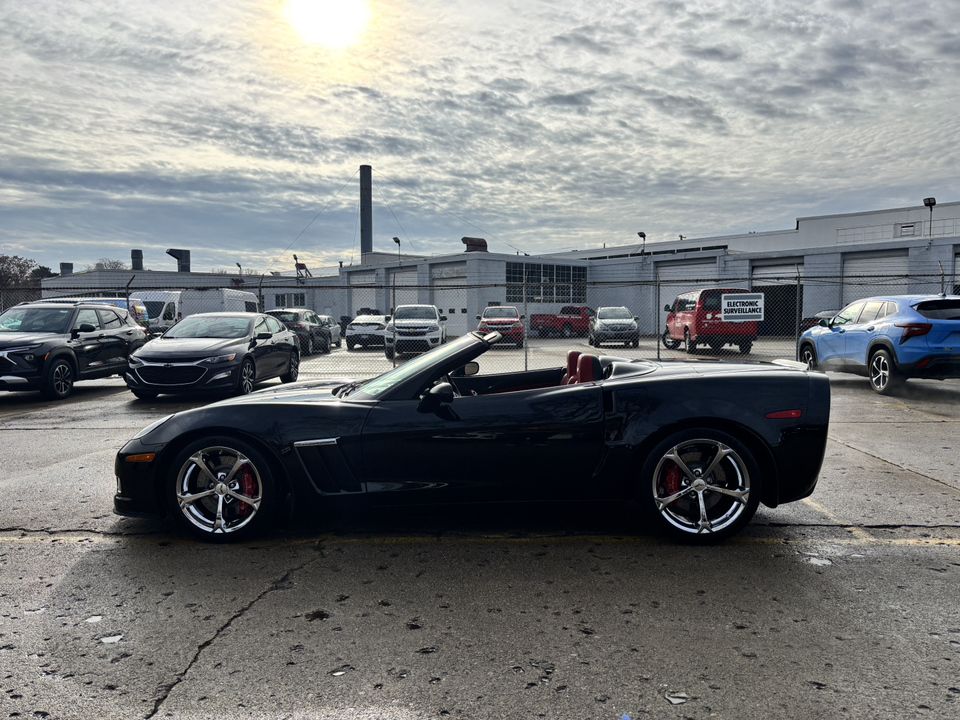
[733, 319]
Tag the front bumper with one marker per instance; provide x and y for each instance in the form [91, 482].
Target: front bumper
[412, 343]
[601, 336]
[137, 494]
[182, 377]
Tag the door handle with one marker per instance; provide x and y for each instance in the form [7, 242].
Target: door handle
[871, 328]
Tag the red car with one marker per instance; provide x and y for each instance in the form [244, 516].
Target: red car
[505, 320]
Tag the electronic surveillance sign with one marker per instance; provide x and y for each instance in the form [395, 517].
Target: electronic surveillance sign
[741, 307]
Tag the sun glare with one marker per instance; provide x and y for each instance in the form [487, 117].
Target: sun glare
[335, 24]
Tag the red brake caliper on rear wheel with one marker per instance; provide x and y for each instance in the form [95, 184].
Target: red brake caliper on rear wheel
[671, 483]
[248, 487]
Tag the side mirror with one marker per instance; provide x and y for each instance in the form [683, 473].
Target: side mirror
[387, 318]
[263, 336]
[636, 318]
[824, 322]
[523, 317]
[667, 308]
[471, 368]
[436, 396]
[443, 318]
[82, 328]
[478, 317]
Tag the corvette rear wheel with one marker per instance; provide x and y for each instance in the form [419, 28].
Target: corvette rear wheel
[222, 490]
[700, 485]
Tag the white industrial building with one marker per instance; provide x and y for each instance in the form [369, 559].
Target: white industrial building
[820, 264]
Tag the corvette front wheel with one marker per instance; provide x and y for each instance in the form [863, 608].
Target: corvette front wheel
[700, 485]
[221, 489]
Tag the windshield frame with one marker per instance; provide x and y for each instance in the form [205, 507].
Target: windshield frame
[174, 333]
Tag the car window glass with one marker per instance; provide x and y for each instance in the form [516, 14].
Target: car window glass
[274, 325]
[260, 327]
[871, 311]
[109, 319]
[711, 302]
[891, 308]
[849, 314]
[86, 316]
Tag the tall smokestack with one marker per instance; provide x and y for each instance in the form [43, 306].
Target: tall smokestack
[183, 259]
[366, 210]
[136, 259]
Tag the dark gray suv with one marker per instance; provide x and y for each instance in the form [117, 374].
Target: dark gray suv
[50, 346]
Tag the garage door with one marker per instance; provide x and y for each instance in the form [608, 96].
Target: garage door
[864, 276]
[678, 278]
[782, 295]
[362, 297]
[450, 296]
[407, 292]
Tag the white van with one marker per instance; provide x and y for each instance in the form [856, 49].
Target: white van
[163, 307]
[202, 300]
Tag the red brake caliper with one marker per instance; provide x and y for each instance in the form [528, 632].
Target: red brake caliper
[671, 484]
[248, 487]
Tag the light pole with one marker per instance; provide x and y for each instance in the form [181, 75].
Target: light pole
[394, 311]
[930, 202]
[397, 241]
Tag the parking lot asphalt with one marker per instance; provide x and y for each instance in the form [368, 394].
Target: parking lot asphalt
[841, 605]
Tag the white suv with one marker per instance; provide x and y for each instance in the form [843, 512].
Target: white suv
[414, 329]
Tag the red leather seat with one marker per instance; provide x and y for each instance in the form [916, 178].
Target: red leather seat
[588, 368]
[571, 375]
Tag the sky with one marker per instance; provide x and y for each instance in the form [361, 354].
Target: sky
[236, 129]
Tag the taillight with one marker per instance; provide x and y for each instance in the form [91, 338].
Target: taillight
[913, 330]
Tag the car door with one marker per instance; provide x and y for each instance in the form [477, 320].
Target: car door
[87, 347]
[115, 338]
[831, 341]
[859, 334]
[283, 342]
[528, 445]
[265, 351]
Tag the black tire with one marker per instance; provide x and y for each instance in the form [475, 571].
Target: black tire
[567, 331]
[689, 346]
[145, 394]
[668, 342]
[221, 489]
[339, 340]
[293, 368]
[389, 353]
[808, 355]
[247, 377]
[519, 343]
[58, 381]
[884, 377]
[716, 345]
[636, 342]
[745, 346]
[350, 345]
[722, 472]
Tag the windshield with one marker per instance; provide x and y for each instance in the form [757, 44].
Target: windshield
[154, 307]
[388, 380]
[412, 312]
[210, 327]
[614, 314]
[501, 312]
[42, 320]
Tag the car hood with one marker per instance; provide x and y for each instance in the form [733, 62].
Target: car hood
[309, 391]
[412, 321]
[172, 348]
[16, 339]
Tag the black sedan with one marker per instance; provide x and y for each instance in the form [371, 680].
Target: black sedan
[214, 352]
[698, 445]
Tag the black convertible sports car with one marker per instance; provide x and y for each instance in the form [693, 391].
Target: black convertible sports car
[697, 444]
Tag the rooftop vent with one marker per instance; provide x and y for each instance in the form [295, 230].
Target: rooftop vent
[66, 269]
[183, 259]
[474, 244]
[136, 259]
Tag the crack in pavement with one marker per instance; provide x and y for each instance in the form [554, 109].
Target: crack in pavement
[890, 462]
[274, 586]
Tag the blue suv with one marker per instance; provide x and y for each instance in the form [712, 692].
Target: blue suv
[888, 339]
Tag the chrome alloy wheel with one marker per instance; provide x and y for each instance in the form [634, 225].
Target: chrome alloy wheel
[880, 372]
[701, 486]
[62, 379]
[219, 490]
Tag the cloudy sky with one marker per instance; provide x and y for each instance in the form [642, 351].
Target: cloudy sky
[236, 129]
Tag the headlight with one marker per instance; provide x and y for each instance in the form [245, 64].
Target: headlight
[152, 426]
[433, 328]
[390, 327]
[219, 359]
[22, 348]
[518, 325]
[135, 361]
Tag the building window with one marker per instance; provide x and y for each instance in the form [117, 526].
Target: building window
[280, 300]
[546, 283]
